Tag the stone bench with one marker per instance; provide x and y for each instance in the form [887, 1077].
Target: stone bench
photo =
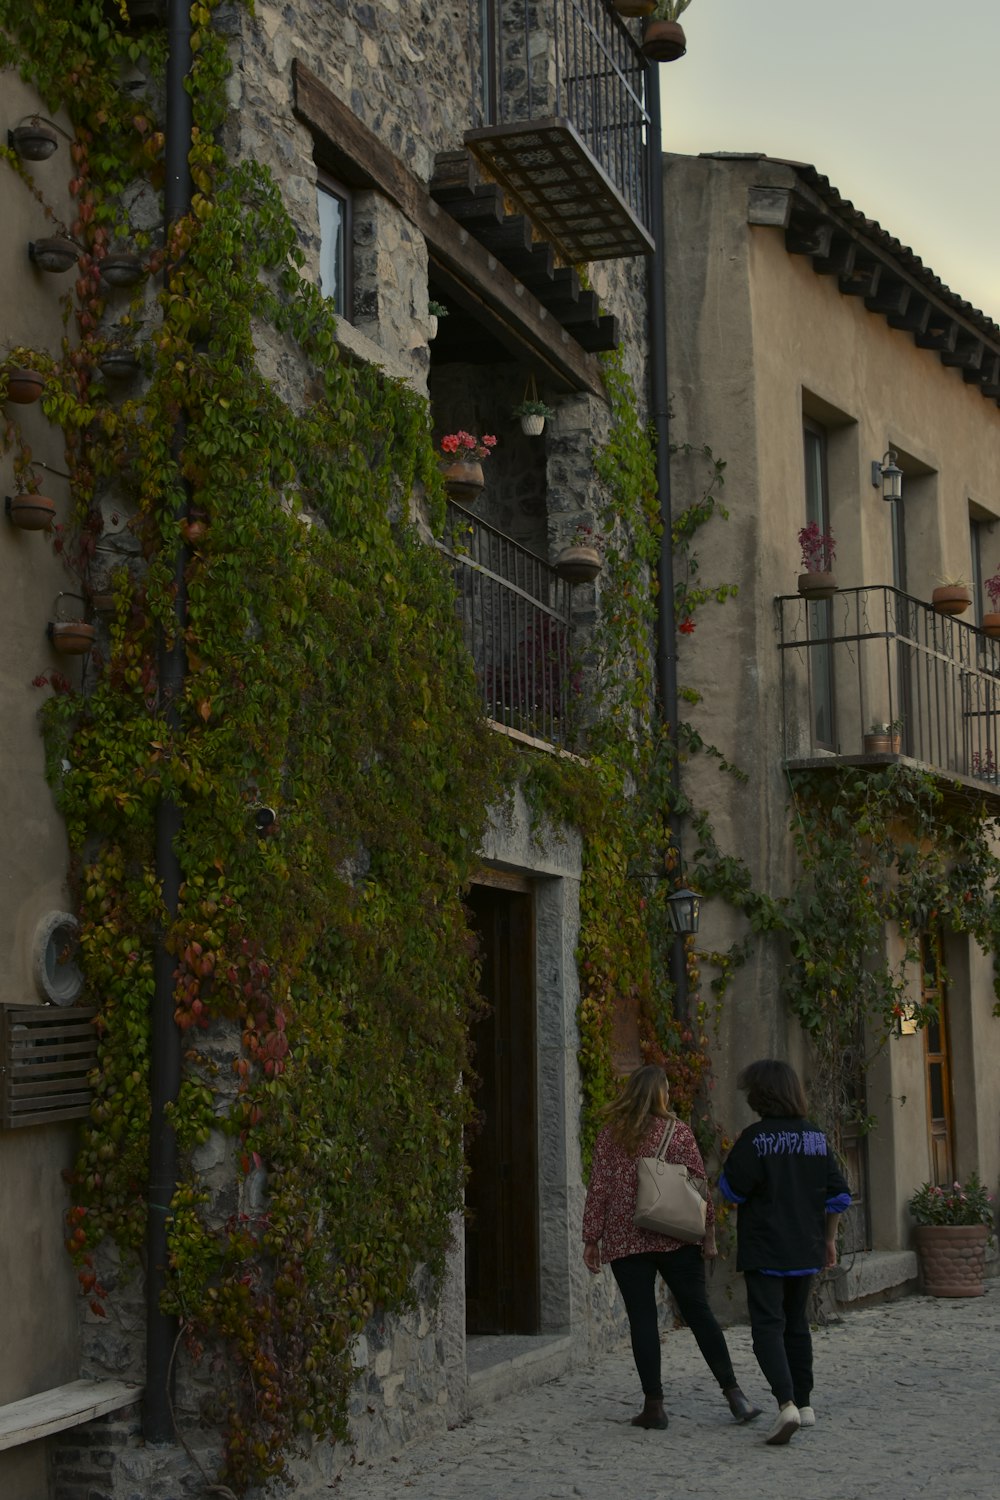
[61, 1407]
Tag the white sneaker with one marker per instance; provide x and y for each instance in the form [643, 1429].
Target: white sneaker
[807, 1417]
[786, 1424]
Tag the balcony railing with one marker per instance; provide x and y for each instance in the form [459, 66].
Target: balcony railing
[515, 614]
[875, 656]
[564, 123]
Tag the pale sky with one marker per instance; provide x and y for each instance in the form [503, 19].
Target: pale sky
[897, 102]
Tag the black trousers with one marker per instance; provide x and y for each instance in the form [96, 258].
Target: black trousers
[779, 1320]
[684, 1272]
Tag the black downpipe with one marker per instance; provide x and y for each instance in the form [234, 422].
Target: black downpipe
[165, 1036]
[666, 634]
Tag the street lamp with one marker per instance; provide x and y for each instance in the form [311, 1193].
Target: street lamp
[682, 910]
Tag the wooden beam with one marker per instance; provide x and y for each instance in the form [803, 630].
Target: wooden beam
[940, 334]
[839, 260]
[359, 158]
[861, 280]
[891, 298]
[769, 206]
[809, 239]
[967, 354]
[914, 318]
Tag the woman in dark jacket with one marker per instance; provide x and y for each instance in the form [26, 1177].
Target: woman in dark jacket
[636, 1121]
[785, 1179]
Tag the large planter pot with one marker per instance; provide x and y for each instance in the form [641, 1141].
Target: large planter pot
[463, 480]
[664, 41]
[882, 744]
[24, 386]
[817, 585]
[991, 625]
[71, 637]
[578, 564]
[951, 599]
[952, 1258]
[635, 7]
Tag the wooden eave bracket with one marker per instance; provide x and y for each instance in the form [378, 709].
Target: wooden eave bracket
[863, 269]
[508, 310]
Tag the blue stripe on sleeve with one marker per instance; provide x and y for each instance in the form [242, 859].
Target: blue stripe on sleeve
[727, 1192]
[839, 1204]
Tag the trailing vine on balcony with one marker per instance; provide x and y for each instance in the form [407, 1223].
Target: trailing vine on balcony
[323, 964]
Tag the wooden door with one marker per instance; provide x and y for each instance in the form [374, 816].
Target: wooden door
[937, 1064]
[501, 1196]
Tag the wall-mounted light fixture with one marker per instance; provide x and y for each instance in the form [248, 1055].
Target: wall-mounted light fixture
[889, 475]
[682, 910]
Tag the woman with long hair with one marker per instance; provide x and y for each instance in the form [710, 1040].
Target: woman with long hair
[784, 1176]
[635, 1124]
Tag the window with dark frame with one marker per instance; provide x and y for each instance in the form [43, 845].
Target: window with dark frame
[336, 232]
[821, 611]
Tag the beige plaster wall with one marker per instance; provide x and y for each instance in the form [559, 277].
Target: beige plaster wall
[38, 1332]
[757, 338]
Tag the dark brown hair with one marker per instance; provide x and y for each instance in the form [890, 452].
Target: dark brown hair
[773, 1089]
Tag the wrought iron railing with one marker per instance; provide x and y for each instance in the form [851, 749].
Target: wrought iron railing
[874, 658]
[574, 59]
[515, 613]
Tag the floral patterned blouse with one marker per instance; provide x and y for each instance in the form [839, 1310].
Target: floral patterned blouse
[610, 1205]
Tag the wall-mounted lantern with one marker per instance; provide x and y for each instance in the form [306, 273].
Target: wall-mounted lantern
[888, 475]
[683, 909]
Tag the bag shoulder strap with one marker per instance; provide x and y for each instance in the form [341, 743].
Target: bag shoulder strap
[668, 1136]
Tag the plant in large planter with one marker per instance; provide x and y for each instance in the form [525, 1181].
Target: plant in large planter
[582, 559]
[952, 596]
[991, 619]
[663, 38]
[953, 1226]
[884, 738]
[819, 551]
[462, 457]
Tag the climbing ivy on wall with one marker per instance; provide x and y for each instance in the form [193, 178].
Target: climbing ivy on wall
[324, 971]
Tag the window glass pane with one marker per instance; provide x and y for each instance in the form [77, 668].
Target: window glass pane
[332, 266]
[820, 614]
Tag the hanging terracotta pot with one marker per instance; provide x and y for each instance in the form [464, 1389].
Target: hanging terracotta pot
[664, 41]
[34, 141]
[991, 625]
[54, 253]
[817, 585]
[24, 386]
[122, 270]
[578, 563]
[463, 480]
[30, 512]
[71, 637]
[635, 7]
[951, 599]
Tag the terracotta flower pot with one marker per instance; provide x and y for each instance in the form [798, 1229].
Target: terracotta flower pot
[31, 512]
[882, 744]
[54, 253]
[71, 637]
[951, 599]
[817, 585]
[952, 1258]
[635, 7]
[664, 41]
[463, 479]
[24, 386]
[991, 625]
[578, 564]
[34, 141]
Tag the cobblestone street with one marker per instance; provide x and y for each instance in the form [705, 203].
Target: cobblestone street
[907, 1403]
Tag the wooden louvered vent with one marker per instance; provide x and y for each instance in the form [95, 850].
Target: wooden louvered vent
[46, 1053]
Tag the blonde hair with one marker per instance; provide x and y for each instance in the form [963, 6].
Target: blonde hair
[644, 1094]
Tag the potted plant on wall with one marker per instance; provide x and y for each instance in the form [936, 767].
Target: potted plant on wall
[583, 558]
[663, 38]
[953, 1225]
[952, 596]
[73, 636]
[462, 457]
[991, 619]
[819, 551]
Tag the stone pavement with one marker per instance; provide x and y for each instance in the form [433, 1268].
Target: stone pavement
[907, 1404]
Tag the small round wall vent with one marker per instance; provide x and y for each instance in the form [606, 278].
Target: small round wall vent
[57, 976]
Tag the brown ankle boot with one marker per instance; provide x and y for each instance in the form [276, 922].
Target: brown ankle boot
[652, 1414]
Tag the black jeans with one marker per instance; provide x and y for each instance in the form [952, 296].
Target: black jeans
[779, 1319]
[684, 1272]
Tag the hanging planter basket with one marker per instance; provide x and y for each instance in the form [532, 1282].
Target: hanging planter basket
[664, 41]
[817, 585]
[579, 564]
[951, 599]
[122, 270]
[24, 386]
[463, 480]
[34, 141]
[55, 253]
[71, 637]
[532, 423]
[30, 512]
[991, 625]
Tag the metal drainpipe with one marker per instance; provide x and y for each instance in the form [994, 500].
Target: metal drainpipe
[165, 1037]
[666, 635]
